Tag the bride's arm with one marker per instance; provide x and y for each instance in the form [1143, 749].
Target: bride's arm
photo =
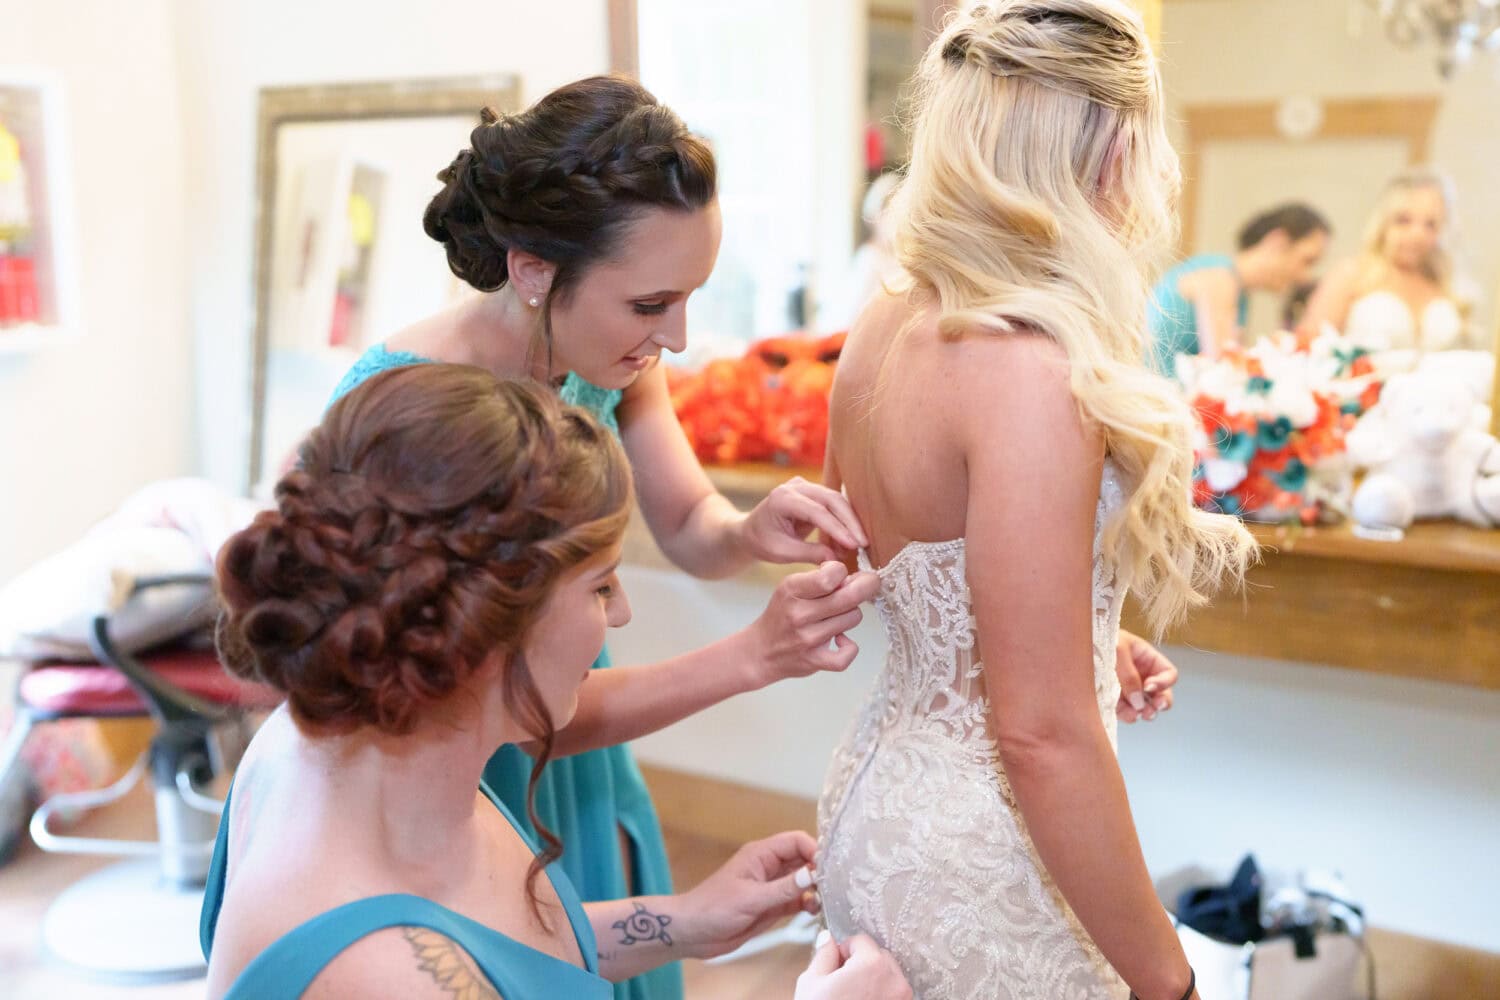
[1331, 300]
[1032, 495]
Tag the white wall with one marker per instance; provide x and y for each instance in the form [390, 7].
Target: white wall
[84, 422]
[1390, 781]
[1257, 50]
[777, 87]
[226, 52]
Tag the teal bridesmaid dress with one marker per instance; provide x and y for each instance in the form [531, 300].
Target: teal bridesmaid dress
[589, 798]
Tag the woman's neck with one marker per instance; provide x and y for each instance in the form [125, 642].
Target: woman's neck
[502, 334]
[412, 798]
[1413, 283]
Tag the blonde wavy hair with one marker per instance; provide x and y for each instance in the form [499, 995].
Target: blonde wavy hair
[1041, 195]
[1439, 265]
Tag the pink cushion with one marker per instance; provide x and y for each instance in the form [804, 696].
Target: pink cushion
[91, 689]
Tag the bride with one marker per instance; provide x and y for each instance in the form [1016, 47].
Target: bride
[1398, 294]
[1017, 467]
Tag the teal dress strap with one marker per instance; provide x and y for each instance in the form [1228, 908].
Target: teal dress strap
[377, 359]
[588, 799]
[519, 972]
[287, 968]
[213, 892]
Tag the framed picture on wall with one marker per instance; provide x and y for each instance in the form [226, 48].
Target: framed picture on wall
[37, 298]
[331, 227]
[343, 174]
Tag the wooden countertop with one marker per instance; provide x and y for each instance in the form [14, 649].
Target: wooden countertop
[1439, 545]
[1436, 545]
[1427, 606]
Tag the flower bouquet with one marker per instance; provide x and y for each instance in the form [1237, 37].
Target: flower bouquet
[771, 405]
[1271, 426]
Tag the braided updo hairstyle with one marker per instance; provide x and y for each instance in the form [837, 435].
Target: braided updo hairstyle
[429, 519]
[563, 180]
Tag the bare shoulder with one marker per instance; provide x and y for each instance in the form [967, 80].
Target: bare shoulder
[1014, 389]
[879, 321]
[1343, 276]
[966, 381]
[409, 962]
[998, 373]
[1209, 282]
[436, 336]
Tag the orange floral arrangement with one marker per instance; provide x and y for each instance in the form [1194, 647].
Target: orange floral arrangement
[771, 405]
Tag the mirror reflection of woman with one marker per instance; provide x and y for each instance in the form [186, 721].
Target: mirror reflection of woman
[1398, 294]
[1201, 305]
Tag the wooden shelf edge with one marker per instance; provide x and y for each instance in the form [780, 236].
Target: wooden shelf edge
[1438, 545]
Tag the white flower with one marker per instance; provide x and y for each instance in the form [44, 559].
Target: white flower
[1291, 398]
[1223, 476]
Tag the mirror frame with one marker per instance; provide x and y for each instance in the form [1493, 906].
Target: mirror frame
[336, 102]
[1407, 118]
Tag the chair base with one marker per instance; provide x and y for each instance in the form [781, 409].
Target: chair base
[126, 924]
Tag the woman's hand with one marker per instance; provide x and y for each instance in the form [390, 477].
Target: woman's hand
[1146, 678]
[765, 882]
[779, 527]
[808, 611]
[859, 969]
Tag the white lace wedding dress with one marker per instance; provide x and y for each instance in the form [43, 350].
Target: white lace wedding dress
[1381, 321]
[921, 844]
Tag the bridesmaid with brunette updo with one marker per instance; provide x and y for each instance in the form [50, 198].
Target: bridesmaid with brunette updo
[587, 221]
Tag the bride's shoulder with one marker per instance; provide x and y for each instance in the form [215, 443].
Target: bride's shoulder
[1343, 280]
[968, 363]
[996, 384]
[995, 359]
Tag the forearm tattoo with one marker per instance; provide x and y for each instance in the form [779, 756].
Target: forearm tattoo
[449, 965]
[643, 926]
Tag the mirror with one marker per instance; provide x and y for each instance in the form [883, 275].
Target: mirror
[1315, 102]
[343, 174]
[1310, 102]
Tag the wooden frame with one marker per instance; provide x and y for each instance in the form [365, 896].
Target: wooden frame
[34, 105]
[280, 106]
[1410, 118]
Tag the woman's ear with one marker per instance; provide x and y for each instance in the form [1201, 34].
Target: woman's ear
[530, 275]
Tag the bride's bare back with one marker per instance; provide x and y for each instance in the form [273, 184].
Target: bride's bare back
[984, 495]
[904, 475]
[905, 409]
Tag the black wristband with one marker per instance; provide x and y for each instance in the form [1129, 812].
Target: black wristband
[1192, 985]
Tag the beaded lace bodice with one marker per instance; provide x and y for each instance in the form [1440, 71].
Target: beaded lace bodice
[921, 843]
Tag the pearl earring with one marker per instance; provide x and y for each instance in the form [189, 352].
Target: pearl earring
[535, 302]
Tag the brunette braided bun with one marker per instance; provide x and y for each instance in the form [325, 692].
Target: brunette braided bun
[430, 516]
[429, 519]
[563, 179]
